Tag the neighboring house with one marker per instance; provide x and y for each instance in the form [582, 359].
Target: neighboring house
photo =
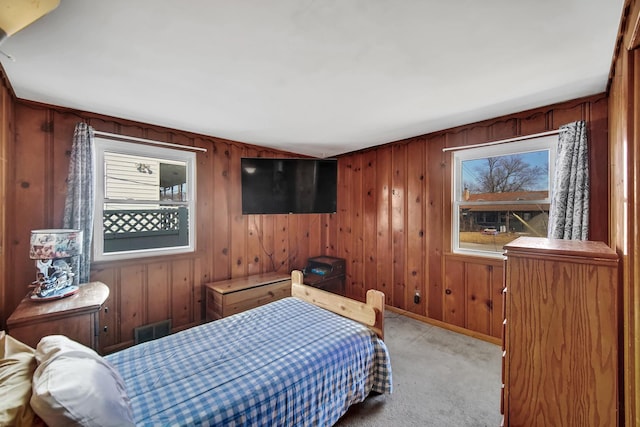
[528, 212]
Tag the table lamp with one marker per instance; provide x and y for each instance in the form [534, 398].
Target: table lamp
[52, 250]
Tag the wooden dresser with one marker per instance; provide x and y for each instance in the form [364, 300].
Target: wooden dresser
[232, 296]
[75, 316]
[560, 341]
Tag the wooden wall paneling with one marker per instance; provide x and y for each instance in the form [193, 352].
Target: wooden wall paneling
[238, 238]
[344, 217]
[254, 230]
[416, 177]
[100, 123]
[296, 254]
[475, 135]
[434, 221]
[496, 283]
[454, 293]
[280, 257]
[158, 292]
[131, 285]
[567, 114]
[204, 208]
[357, 256]
[182, 310]
[503, 129]
[478, 297]
[109, 315]
[330, 233]
[267, 242]
[398, 224]
[369, 223]
[219, 218]
[535, 123]
[303, 225]
[314, 238]
[384, 255]
[198, 311]
[32, 203]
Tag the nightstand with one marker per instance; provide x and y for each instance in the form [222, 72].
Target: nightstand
[75, 316]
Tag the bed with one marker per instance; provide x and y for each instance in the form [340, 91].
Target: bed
[301, 360]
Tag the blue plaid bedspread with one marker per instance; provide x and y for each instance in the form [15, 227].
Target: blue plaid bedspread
[288, 363]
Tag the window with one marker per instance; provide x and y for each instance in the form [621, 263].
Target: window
[501, 192]
[145, 200]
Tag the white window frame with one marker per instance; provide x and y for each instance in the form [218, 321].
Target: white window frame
[103, 145]
[548, 142]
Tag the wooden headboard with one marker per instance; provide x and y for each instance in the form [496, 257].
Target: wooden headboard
[369, 313]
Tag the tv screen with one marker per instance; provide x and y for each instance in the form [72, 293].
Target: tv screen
[283, 186]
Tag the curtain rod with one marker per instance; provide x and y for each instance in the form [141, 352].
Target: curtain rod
[147, 141]
[503, 141]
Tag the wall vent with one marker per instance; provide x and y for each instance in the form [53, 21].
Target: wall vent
[152, 331]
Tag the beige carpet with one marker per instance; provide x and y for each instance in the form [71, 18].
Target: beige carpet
[440, 378]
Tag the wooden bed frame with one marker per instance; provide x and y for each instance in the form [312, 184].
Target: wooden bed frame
[369, 313]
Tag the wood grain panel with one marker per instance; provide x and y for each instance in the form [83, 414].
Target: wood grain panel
[281, 254]
[435, 219]
[132, 302]
[535, 123]
[219, 219]
[357, 262]
[369, 224]
[503, 129]
[384, 280]
[238, 221]
[344, 243]
[254, 229]
[478, 297]
[158, 293]
[398, 225]
[182, 293]
[415, 226]
[454, 294]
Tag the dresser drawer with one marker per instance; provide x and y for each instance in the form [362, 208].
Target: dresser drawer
[239, 301]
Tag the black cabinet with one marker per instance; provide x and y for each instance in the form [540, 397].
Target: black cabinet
[326, 273]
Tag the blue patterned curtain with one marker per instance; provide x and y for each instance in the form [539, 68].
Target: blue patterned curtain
[569, 212]
[79, 204]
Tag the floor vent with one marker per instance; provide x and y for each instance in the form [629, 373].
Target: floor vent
[152, 331]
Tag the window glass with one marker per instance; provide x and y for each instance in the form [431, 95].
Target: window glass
[144, 200]
[501, 192]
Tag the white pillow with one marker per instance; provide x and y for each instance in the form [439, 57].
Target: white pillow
[74, 386]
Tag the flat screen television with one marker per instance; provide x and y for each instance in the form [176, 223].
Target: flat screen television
[288, 185]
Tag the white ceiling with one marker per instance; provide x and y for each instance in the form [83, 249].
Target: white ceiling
[315, 77]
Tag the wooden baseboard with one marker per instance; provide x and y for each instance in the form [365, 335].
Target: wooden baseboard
[443, 325]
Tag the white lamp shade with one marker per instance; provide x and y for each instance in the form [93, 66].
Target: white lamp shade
[55, 243]
[17, 14]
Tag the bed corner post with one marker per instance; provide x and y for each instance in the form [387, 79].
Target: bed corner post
[297, 277]
[376, 300]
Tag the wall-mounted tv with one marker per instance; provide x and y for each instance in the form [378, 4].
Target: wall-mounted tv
[288, 185]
